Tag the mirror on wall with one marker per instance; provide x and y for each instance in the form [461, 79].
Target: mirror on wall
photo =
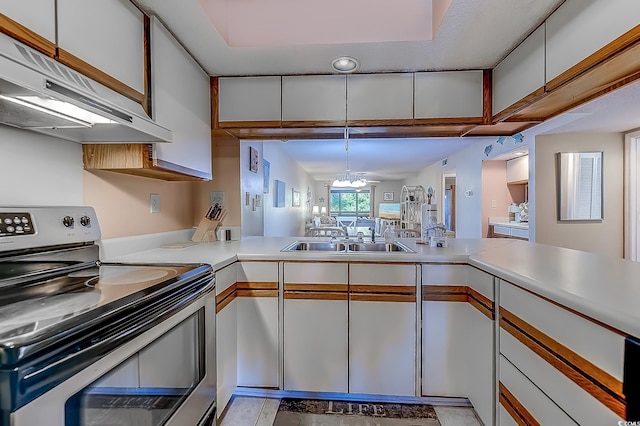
[579, 185]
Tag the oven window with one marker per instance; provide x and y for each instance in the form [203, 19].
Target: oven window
[148, 387]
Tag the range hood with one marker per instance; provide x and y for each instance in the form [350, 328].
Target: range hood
[39, 94]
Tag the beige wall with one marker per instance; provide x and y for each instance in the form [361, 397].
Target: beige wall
[122, 203]
[495, 188]
[226, 177]
[606, 237]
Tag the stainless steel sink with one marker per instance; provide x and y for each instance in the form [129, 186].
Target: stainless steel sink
[340, 247]
[315, 246]
[379, 247]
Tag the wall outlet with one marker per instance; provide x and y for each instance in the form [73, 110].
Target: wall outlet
[154, 203]
[216, 197]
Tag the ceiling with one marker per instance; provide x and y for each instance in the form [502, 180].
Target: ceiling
[469, 34]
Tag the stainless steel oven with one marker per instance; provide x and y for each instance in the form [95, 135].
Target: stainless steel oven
[90, 343]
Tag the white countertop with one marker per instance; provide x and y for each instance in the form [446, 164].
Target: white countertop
[499, 221]
[605, 289]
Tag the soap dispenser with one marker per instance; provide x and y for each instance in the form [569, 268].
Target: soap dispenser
[389, 235]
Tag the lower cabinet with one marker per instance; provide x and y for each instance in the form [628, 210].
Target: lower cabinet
[382, 329]
[226, 335]
[316, 325]
[257, 313]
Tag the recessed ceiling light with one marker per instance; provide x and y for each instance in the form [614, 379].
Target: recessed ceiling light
[344, 64]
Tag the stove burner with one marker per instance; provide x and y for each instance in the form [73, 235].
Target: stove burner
[123, 275]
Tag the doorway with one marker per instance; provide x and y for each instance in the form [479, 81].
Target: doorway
[632, 197]
[449, 201]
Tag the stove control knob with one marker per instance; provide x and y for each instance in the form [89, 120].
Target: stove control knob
[68, 221]
[85, 221]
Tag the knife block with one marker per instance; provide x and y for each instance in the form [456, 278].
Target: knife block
[206, 230]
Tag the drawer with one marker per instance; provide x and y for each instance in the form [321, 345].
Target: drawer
[521, 402]
[578, 365]
[520, 233]
[502, 230]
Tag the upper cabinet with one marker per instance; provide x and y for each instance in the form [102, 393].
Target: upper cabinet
[518, 170]
[521, 73]
[247, 99]
[379, 96]
[448, 94]
[38, 16]
[105, 35]
[317, 98]
[181, 102]
[577, 29]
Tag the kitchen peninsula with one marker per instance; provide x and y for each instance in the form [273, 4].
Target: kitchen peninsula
[548, 329]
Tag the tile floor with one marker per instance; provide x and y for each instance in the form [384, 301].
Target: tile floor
[261, 411]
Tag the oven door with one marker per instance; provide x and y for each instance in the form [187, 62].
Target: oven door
[165, 376]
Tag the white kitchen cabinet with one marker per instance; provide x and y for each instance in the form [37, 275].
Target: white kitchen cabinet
[382, 329]
[518, 170]
[181, 103]
[257, 305]
[578, 28]
[226, 335]
[521, 402]
[579, 366]
[316, 327]
[379, 96]
[521, 73]
[37, 15]
[108, 35]
[249, 99]
[444, 328]
[448, 94]
[314, 98]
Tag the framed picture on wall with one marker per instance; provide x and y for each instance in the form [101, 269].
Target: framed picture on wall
[387, 196]
[280, 193]
[266, 171]
[295, 198]
[253, 159]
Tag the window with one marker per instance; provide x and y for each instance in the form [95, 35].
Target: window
[349, 202]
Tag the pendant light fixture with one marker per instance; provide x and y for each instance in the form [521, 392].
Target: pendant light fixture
[347, 180]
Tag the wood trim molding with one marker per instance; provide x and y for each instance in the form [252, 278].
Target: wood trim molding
[459, 293]
[516, 410]
[595, 381]
[316, 287]
[382, 297]
[248, 124]
[449, 121]
[100, 76]
[24, 35]
[519, 105]
[381, 122]
[487, 95]
[308, 123]
[382, 293]
[257, 285]
[257, 293]
[311, 291]
[215, 102]
[227, 296]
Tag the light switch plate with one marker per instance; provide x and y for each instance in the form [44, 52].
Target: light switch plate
[154, 203]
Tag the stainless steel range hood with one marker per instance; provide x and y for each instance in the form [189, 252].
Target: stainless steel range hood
[38, 93]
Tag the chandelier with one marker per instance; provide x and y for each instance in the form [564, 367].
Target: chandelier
[347, 180]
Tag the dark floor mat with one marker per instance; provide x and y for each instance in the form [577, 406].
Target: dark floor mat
[313, 412]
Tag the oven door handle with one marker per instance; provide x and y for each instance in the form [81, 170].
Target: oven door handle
[55, 371]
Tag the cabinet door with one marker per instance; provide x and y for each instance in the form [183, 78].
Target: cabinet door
[380, 96]
[576, 30]
[578, 365]
[382, 321]
[448, 94]
[444, 327]
[226, 335]
[37, 15]
[249, 99]
[181, 103]
[108, 35]
[315, 327]
[257, 304]
[520, 73]
[314, 98]
[518, 170]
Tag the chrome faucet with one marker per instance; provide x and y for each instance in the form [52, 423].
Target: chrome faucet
[373, 235]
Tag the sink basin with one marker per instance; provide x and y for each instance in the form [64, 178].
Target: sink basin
[344, 247]
[315, 246]
[379, 247]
